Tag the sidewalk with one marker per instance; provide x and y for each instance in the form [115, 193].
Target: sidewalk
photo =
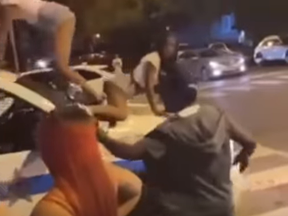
[267, 183]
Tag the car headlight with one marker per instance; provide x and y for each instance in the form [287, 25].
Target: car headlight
[213, 64]
[41, 63]
[242, 60]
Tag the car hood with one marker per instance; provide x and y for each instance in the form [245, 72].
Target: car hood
[226, 60]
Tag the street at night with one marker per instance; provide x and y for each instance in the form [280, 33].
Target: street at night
[259, 102]
[143, 108]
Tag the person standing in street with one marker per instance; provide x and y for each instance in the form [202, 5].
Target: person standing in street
[188, 159]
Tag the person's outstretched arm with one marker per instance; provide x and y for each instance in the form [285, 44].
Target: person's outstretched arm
[150, 74]
[242, 137]
[121, 149]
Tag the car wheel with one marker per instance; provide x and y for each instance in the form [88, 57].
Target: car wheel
[258, 59]
[204, 74]
[286, 57]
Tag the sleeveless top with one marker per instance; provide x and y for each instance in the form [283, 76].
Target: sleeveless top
[139, 72]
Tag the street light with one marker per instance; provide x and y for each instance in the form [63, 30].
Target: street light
[98, 36]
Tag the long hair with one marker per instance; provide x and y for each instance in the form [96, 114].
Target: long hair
[68, 145]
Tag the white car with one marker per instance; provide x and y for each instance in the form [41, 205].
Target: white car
[24, 178]
[271, 48]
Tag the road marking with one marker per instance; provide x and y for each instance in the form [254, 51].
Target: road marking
[267, 82]
[213, 94]
[269, 74]
[243, 79]
[237, 88]
[283, 77]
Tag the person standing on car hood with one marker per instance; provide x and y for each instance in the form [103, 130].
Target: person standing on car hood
[50, 17]
[59, 22]
[188, 159]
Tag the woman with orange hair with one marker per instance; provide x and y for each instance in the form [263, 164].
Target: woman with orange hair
[84, 184]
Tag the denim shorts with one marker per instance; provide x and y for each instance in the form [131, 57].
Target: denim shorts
[52, 15]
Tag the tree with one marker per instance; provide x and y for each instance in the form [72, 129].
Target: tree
[104, 15]
[262, 17]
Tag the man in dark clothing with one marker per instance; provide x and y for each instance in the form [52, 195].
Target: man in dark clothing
[188, 159]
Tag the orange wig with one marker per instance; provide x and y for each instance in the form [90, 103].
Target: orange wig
[70, 151]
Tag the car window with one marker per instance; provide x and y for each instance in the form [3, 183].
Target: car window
[18, 121]
[187, 55]
[273, 42]
[6, 103]
[218, 46]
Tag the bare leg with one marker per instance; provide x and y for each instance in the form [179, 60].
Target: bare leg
[117, 108]
[62, 49]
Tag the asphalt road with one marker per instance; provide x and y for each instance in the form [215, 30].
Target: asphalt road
[258, 100]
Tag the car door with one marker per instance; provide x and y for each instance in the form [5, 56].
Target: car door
[21, 170]
[271, 49]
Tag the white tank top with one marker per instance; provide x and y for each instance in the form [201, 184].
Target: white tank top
[26, 9]
[139, 72]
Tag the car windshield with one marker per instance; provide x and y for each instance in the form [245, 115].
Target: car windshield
[208, 53]
[219, 46]
[187, 54]
[274, 42]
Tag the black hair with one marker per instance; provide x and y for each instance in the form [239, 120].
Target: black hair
[162, 39]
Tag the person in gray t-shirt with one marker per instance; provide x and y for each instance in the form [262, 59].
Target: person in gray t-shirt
[188, 160]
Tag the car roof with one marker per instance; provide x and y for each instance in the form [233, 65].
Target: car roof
[9, 85]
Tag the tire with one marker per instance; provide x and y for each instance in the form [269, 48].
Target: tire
[286, 57]
[258, 59]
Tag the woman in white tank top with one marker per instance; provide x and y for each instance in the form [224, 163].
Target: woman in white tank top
[146, 74]
[59, 21]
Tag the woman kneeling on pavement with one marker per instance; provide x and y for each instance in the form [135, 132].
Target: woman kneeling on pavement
[188, 159]
[84, 184]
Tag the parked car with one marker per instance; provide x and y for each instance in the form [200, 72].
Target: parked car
[271, 48]
[208, 64]
[220, 47]
[26, 180]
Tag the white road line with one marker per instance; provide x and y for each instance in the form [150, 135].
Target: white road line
[267, 82]
[282, 77]
[244, 79]
[212, 94]
[269, 74]
[237, 88]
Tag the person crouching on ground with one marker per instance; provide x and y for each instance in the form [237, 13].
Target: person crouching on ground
[145, 77]
[84, 184]
[188, 159]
